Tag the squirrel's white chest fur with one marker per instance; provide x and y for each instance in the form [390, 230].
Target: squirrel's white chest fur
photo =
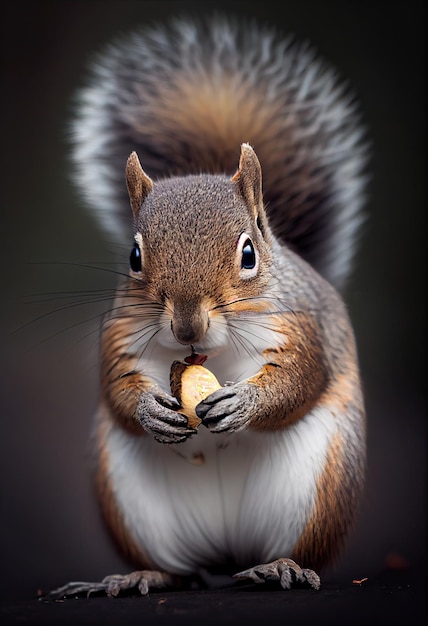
[244, 497]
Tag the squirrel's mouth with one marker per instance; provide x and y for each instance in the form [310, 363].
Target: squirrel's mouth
[210, 352]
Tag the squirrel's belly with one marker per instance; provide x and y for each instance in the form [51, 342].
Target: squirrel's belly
[242, 497]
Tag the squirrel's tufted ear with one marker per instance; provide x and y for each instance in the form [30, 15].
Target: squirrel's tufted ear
[138, 183]
[248, 179]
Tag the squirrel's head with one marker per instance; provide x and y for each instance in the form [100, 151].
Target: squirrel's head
[202, 249]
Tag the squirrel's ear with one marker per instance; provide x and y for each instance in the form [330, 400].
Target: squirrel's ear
[138, 183]
[248, 179]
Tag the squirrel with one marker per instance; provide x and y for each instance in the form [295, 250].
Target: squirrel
[244, 161]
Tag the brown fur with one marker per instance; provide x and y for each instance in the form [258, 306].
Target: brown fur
[122, 383]
[294, 376]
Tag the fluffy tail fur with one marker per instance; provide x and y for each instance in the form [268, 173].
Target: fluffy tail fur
[185, 96]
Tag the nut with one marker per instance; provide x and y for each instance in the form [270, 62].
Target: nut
[191, 384]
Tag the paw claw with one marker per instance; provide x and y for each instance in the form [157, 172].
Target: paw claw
[116, 583]
[285, 571]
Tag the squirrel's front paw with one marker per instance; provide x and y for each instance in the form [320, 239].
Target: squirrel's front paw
[156, 416]
[229, 408]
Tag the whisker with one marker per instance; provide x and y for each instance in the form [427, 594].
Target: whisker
[245, 333]
[51, 296]
[67, 329]
[245, 343]
[83, 265]
[157, 328]
[281, 306]
[58, 309]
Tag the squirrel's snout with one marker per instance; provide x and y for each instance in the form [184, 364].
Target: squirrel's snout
[189, 327]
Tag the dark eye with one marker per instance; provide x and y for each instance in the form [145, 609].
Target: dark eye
[135, 258]
[248, 260]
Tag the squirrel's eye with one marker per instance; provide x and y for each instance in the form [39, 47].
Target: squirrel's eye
[248, 260]
[247, 257]
[135, 258]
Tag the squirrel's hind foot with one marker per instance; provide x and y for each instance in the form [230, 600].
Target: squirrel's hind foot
[143, 581]
[286, 571]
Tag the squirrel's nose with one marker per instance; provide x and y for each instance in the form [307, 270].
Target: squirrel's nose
[186, 336]
[189, 327]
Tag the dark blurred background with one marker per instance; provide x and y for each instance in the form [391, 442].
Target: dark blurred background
[50, 528]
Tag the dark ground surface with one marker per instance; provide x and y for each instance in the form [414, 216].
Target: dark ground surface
[392, 598]
[50, 531]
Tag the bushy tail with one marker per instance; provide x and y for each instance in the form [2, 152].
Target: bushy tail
[185, 96]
